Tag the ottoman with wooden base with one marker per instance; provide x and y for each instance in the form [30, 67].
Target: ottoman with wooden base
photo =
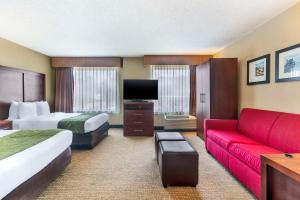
[178, 163]
[166, 136]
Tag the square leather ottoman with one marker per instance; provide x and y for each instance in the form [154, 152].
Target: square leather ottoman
[178, 163]
[166, 136]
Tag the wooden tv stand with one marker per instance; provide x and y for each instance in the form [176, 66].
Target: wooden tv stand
[138, 118]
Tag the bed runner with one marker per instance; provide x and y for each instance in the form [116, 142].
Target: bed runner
[76, 124]
[24, 139]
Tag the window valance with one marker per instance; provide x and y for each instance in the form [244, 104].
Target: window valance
[86, 61]
[175, 59]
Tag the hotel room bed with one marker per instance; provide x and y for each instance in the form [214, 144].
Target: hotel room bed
[94, 130]
[30, 87]
[27, 173]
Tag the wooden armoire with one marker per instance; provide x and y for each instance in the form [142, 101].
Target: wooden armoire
[216, 90]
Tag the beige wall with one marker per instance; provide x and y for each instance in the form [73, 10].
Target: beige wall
[14, 55]
[281, 32]
[133, 68]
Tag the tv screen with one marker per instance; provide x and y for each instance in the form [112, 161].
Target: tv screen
[140, 89]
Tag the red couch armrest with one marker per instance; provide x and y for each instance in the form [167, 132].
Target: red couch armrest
[220, 124]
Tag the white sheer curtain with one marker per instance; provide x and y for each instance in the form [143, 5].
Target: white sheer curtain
[96, 89]
[173, 88]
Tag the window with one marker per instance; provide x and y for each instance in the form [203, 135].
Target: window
[173, 88]
[96, 89]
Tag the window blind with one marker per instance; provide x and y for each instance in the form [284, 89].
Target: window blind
[96, 89]
[173, 88]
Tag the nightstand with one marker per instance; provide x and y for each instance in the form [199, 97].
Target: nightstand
[280, 176]
[5, 125]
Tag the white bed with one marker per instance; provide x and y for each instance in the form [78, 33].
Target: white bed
[51, 121]
[21, 166]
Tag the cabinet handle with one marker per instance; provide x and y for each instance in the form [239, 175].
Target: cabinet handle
[138, 130]
[203, 98]
[138, 122]
[138, 114]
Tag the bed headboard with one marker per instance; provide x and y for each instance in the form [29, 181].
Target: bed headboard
[19, 85]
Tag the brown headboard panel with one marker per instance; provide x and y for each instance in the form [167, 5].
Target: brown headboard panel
[19, 85]
[34, 87]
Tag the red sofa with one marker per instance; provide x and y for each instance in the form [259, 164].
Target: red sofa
[238, 144]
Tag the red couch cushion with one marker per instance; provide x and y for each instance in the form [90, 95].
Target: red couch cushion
[245, 174]
[218, 152]
[257, 123]
[225, 138]
[250, 154]
[285, 134]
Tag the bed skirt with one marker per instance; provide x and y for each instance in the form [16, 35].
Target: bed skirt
[91, 139]
[34, 186]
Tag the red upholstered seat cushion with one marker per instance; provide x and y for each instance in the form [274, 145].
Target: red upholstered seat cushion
[257, 123]
[225, 138]
[250, 154]
[285, 134]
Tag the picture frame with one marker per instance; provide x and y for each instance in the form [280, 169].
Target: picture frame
[287, 64]
[258, 70]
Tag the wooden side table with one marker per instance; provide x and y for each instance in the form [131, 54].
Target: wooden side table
[5, 125]
[280, 177]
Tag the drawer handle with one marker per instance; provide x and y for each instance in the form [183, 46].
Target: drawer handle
[138, 122]
[138, 130]
[138, 114]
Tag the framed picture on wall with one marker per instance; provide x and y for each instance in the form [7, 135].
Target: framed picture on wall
[258, 70]
[288, 64]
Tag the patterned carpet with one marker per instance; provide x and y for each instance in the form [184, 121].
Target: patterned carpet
[125, 168]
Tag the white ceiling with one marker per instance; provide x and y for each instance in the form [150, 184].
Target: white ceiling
[132, 27]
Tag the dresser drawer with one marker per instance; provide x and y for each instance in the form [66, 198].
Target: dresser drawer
[136, 119]
[138, 106]
[138, 130]
[138, 113]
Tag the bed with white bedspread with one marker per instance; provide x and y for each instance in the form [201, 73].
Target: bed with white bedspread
[25, 173]
[51, 121]
[88, 128]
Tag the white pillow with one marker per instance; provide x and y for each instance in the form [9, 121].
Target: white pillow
[42, 108]
[13, 110]
[27, 110]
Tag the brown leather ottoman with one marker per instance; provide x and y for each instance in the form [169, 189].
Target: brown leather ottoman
[166, 136]
[178, 163]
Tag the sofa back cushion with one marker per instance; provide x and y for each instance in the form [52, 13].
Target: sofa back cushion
[285, 134]
[257, 124]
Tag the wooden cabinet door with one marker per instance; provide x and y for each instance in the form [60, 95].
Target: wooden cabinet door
[224, 88]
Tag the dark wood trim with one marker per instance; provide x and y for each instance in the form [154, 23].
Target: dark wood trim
[277, 79]
[267, 57]
[175, 59]
[86, 62]
[39, 182]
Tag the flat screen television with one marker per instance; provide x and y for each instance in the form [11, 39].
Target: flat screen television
[134, 89]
